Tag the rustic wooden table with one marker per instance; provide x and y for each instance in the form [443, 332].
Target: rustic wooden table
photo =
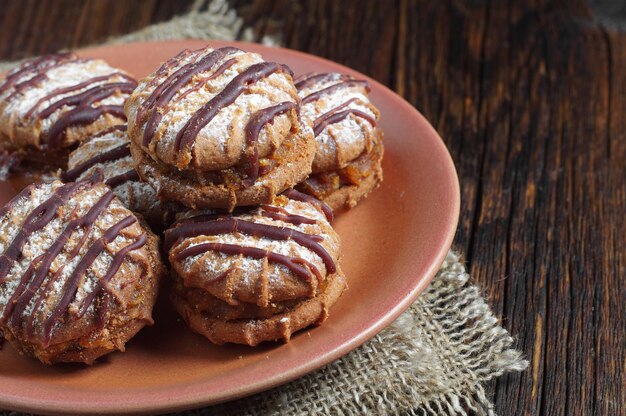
[530, 97]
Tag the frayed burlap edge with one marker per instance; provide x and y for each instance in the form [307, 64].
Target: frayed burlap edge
[433, 360]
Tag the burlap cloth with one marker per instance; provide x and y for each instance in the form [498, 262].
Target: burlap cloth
[433, 360]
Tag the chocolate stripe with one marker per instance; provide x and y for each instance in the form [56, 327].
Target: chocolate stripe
[28, 274]
[119, 127]
[84, 113]
[37, 64]
[81, 117]
[280, 214]
[114, 154]
[24, 85]
[201, 82]
[299, 196]
[172, 85]
[227, 96]
[307, 80]
[29, 326]
[71, 285]
[235, 225]
[77, 87]
[88, 97]
[36, 220]
[167, 65]
[216, 215]
[113, 268]
[344, 84]
[293, 264]
[130, 175]
[253, 129]
[333, 110]
[21, 298]
[300, 79]
[331, 118]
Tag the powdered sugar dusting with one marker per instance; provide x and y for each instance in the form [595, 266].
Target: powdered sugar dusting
[65, 263]
[66, 74]
[213, 263]
[136, 195]
[340, 142]
[225, 133]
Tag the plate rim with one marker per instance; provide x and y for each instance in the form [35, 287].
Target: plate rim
[195, 399]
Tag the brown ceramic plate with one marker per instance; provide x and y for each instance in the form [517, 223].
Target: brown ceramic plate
[393, 244]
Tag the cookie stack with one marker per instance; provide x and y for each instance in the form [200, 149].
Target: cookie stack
[240, 165]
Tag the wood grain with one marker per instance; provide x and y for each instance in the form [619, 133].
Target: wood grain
[530, 98]
[30, 27]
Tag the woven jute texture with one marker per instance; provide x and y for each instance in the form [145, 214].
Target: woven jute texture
[433, 360]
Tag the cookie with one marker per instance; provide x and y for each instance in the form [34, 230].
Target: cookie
[78, 272]
[347, 164]
[108, 152]
[219, 128]
[51, 103]
[259, 274]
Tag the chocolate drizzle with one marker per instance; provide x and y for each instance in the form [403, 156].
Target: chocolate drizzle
[253, 129]
[114, 154]
[292, 263]
[281, 214]
[25, 85]
[117, 153]
[235, 225]
[112, 129]
[343, 84]
[37, 65]
[130, 175]
[72, 88]
[35, 221]
[222, 224]
[71, 285]
[334, 116]
[306, 80]
[97, 89]
[165, 91]
[30, 287]
[84, 113]
[172, 62]
[202, 82]
[299, 196]
[31, 282]
[184, 54]
[113, 268]
[330, 83]
[224, 98]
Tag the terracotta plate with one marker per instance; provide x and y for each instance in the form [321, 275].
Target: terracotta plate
[393, 244]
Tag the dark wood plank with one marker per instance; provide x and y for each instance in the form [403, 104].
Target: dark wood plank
[32, 27]
[346, 32]
[609, 316]
[529, 97]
